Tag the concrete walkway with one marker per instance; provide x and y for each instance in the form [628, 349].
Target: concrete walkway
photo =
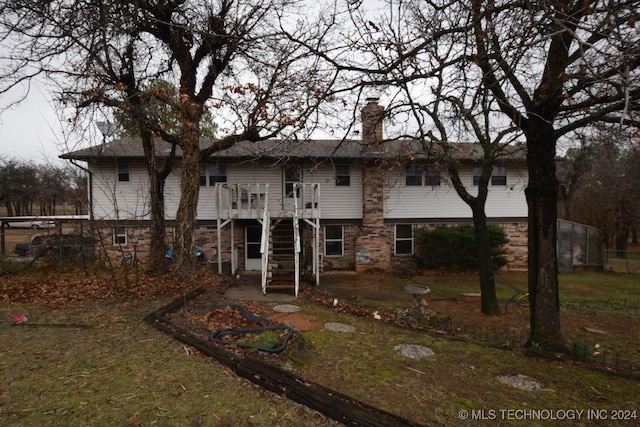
[249, 288]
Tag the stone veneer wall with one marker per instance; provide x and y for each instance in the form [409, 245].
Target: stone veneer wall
[373, 253]
[516, 248]
[377, 240]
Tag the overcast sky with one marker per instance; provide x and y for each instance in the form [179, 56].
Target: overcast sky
[30, 131]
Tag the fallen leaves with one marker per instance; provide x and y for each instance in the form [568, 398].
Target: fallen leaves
[58, 286]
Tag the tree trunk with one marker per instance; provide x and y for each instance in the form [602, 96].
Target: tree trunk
[157, 261]
[184, 261]
[157, 176]
[541, 196]
[488, 298]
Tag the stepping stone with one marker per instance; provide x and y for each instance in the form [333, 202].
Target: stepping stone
[414, 351]
[339, 327]
[594, 330]
[286, 308]
[520, 381]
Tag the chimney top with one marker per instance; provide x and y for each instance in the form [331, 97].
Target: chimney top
[372, 116]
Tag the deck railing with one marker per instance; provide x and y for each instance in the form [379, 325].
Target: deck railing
[247, 201]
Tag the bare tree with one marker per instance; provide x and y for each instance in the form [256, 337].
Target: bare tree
[551, 67]
[600, 183]
[227, 55]
[407, 53]
[555, 67]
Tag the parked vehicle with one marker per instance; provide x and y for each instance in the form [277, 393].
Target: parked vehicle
[30, 224]
[68, 246]
[22, 249]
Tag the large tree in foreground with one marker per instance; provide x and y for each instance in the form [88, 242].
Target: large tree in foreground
[228, 55]
[451, 121]
[555, 67]
[551, 68]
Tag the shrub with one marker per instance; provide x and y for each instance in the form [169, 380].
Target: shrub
[454, 248]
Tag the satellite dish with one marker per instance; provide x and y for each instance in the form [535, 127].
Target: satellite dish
[106, 128]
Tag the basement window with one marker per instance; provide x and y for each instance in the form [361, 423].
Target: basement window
[404, 239]
[333, 240]
[119, 235]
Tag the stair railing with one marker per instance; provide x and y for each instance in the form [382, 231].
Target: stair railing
[264, 243]
[296, 239]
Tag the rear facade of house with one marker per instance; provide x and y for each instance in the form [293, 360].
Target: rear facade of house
[311, 206]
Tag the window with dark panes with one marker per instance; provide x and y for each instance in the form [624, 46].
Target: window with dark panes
[404, 239]
[343, 175]
[499, 176]
[414, 176]
[432, 177]
[119, 236]
[211, 174]
[203, 176]
[217, 173]
[123, 173]
[292, 175]
[333, 240]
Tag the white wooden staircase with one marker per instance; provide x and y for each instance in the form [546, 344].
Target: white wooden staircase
[280, 244]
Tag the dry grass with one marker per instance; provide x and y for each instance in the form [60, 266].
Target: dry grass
[118, 371]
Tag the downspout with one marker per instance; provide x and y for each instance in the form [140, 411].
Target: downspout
[90, 195]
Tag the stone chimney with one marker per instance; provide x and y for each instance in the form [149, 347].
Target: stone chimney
[372, 115]
[373, 249]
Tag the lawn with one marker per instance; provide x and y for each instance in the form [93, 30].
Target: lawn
[85, 356]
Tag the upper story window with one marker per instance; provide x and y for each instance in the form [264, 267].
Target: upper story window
[292, 175]
[343, 175]
[498, 176]
[432, 177]
[123, 173]
[417, 176]
[211, 174]
[414, 176]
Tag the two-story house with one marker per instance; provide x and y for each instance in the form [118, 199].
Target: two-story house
[305, 206]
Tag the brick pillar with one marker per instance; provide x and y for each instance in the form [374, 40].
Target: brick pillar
[373, 252]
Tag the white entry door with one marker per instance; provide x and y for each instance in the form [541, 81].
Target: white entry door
[252, 255]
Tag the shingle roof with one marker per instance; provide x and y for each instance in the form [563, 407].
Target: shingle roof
[131, 148]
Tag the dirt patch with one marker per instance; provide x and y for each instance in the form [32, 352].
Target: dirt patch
[301, 322]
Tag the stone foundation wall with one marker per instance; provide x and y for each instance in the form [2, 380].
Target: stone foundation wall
[366, 248]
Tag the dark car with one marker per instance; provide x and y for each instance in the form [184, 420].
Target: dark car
[22, 249]
[67, 246]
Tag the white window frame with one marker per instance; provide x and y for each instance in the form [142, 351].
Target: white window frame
[343, 179]
[210, 174]
[498, 176]
[402, 239]
[124, 173]
[333, 240]
[417, 171]
[119, 233]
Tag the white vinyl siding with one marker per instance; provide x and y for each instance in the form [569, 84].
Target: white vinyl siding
[338, 201]
[443, 202]
[116, 199]
[129, 200]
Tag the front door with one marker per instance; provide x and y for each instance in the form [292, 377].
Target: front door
[253, 257]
